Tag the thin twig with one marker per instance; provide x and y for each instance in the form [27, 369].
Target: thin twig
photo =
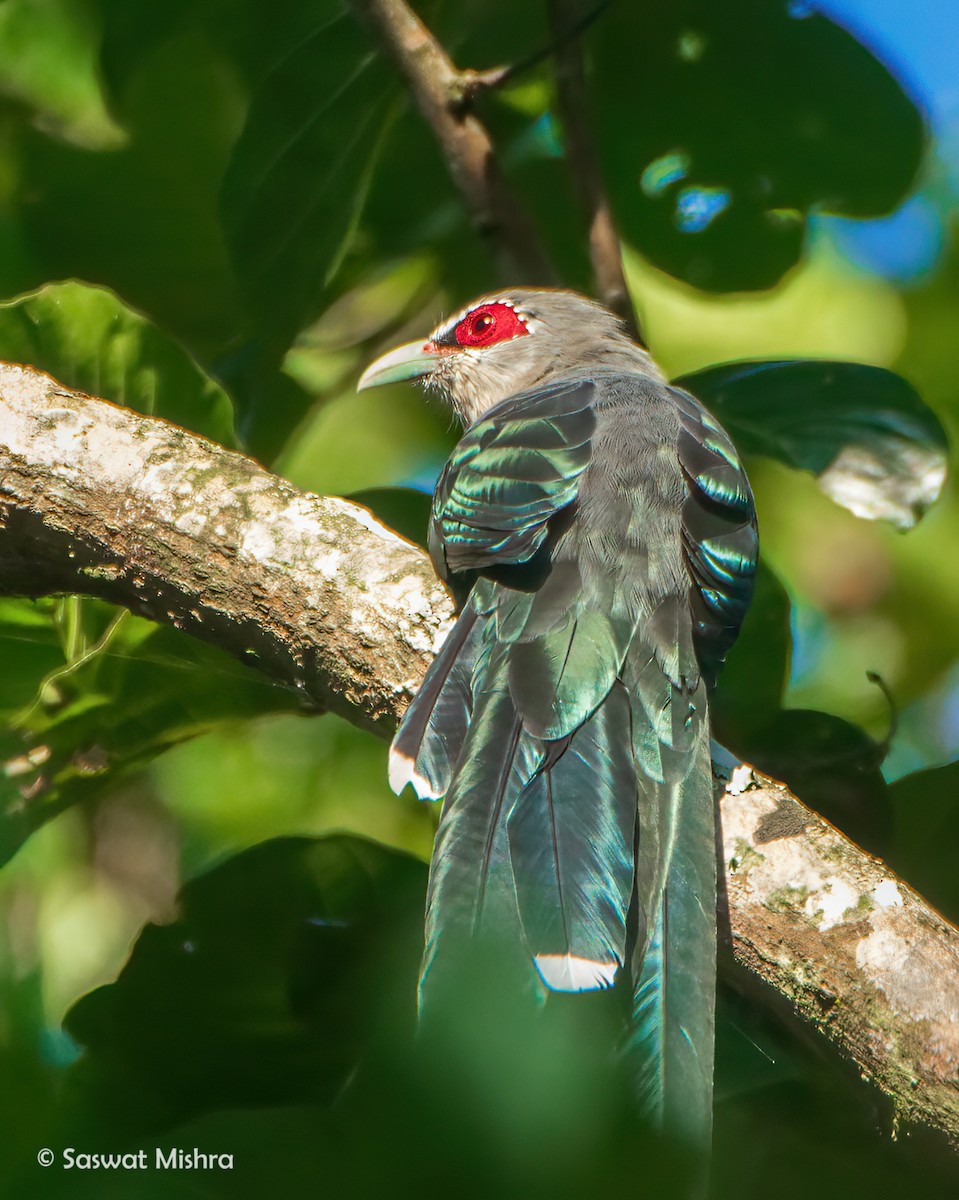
[474, 83]
[604, 245]
[438, 89]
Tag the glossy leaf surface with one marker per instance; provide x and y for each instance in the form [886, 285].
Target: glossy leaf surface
[726, 124]
[89, 340]
[863, 431]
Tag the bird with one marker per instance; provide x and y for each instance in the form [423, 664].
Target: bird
[598, 534]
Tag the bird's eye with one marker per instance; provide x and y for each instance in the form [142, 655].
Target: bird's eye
[494, 322]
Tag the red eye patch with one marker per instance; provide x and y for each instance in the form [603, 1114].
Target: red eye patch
[489, 324]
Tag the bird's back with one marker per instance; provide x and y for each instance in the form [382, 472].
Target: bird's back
[606, 530]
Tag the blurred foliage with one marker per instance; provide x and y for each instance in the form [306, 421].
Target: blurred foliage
[118, 690]
[745, 148]
[245, 205]
[281, 1009]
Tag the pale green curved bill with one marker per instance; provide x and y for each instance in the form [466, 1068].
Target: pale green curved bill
[405, 362]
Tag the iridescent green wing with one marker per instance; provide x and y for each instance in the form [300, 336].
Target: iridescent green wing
[511, 473]
[719, 533]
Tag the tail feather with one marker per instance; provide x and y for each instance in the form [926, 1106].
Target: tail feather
[545, 844]
[691, 958]
[571, 839]
[648, 1029]
[471, 890]
[430, 737]
[674, 963]
[674, 998]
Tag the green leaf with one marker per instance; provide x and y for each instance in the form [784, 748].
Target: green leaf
[31, 649]
[252, 36]
[88, 340]
[141, 219]
[48, 52]
[289, 979]
[863, 431]
[334, 182]
[752, 680]
[132, 32]
[294, 191]
[282, 965]
[926, 806]
[724, 125]
[831, 765]
[127, 690]
[405, 510]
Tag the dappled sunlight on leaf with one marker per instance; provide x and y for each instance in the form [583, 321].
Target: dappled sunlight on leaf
[875, 447]
[714, 140]
[49, 54]
[88, 339]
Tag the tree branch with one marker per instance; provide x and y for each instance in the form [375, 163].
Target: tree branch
[604, 244]
[439, 90]
[100, 500]
[854, 949]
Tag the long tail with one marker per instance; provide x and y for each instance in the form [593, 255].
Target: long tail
[571, 838]
[674, 997]
[673, 1030]
[539, 849]
[535, 845]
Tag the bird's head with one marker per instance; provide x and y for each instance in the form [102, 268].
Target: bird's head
[507, 342]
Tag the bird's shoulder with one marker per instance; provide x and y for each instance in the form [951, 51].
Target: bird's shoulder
[510, 474]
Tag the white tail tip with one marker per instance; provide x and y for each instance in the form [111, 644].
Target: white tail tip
[567, 973]
[403, 771]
